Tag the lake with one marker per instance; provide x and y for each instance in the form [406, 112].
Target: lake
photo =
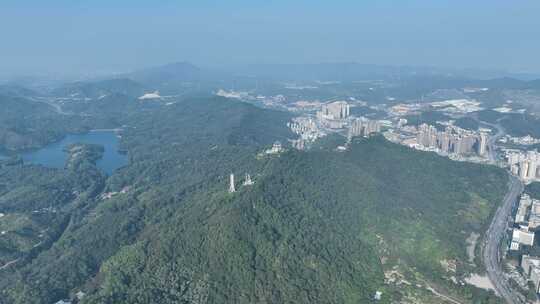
[53, 155]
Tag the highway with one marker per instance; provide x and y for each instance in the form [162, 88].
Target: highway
[494, 235]
[493, 139]
[497, 229]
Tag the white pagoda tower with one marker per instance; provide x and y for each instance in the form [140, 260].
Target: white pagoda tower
[231, 185]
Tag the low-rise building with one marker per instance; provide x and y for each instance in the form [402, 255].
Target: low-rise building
[276, 148]
[523, 236]
[523, 210]
[531, 270]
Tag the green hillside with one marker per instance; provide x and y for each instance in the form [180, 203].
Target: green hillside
[317, 227]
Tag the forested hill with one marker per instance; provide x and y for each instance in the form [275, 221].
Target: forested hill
[27, 124]
[316, 227]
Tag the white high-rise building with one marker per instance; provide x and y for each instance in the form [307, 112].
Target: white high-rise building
[513, 158]
[523, 169]
[334, 110]
[364, 127]
[533, 167]
[482, 144]
[525, 165]
[532, 156]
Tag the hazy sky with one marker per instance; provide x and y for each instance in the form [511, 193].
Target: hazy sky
[59, 36]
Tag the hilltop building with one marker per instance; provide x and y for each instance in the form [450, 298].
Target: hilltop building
[248, 181]
[276, 148]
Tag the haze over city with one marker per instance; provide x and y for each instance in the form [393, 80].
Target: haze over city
[73, 36]
[261, 152]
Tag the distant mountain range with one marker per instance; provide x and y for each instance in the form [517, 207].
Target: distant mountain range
[16, 91]
[173, 72]
[181, 77]
[357, 71]
[186, 72]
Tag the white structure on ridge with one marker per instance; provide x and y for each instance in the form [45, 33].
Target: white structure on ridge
[231, 184]
[276, 148]
[248, 181]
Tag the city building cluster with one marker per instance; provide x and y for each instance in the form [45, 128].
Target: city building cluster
[523, 141]
[363, 127]
[307, 130]
[334, 110]
[452, 106]
[528, 212]
[333, 115]
[274, 102]
[452, 141]
[403, 109]
[525, 165]
[526, 222]
[457, 106]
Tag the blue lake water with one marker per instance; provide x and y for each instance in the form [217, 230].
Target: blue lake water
[53, 155]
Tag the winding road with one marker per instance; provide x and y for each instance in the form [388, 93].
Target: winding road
[6, 265]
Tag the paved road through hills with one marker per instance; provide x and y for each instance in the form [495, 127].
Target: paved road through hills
[497, 229]
[494, 235]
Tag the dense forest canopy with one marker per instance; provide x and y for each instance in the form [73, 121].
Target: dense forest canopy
[318, 226]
